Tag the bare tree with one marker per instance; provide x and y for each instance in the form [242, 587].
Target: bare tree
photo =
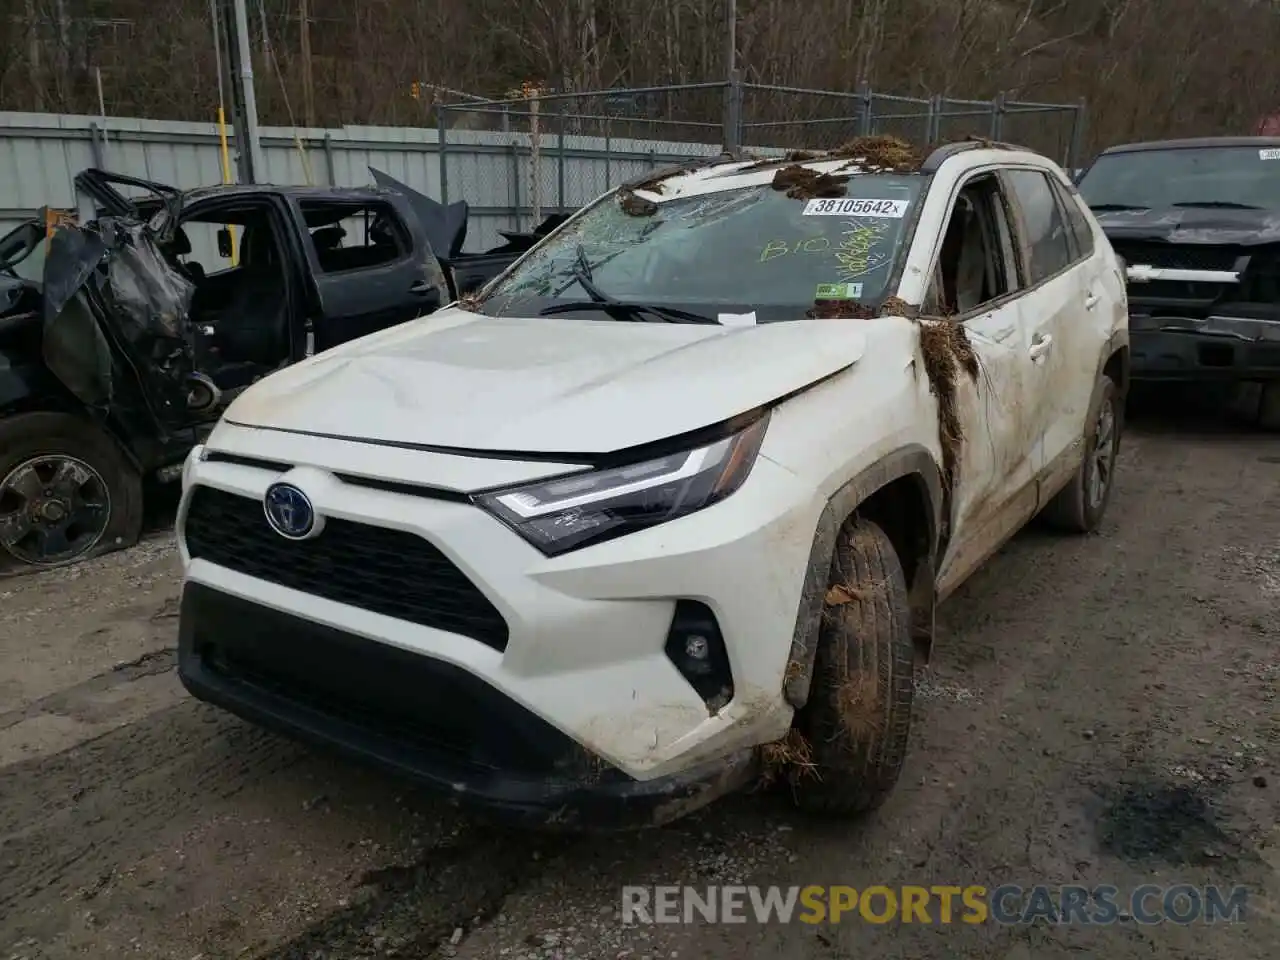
[1148, 68]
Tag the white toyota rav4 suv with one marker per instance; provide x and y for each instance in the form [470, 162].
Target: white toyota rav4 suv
[667, 507]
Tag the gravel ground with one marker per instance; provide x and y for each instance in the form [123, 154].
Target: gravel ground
[1100, 710]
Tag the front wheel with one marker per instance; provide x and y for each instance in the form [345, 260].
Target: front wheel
[854, 727]
[1081, 504]
[66, 491]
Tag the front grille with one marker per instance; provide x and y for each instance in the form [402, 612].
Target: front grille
[1173, 257]
[391, 572]
[413, 700]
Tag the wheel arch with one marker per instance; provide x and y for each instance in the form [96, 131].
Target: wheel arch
[1115, 361]
[902, 493]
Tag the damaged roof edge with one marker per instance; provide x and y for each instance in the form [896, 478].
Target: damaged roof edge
[942, 154]
[651, 180]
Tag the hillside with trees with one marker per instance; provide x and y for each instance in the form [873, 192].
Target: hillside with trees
[1147, 68]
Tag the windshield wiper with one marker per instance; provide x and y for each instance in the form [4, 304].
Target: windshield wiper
[1220, 204]
[629, 310]
[582, 273]
[620, 309]
[1117, 206]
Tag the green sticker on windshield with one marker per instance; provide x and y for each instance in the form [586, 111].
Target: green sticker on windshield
[838, 291]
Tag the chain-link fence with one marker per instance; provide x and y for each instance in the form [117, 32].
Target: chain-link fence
[518, 160]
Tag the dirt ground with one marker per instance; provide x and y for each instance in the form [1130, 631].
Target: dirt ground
[1100, 710]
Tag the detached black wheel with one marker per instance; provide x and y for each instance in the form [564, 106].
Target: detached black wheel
[855, 724]
[66, 491]
[1081, 504]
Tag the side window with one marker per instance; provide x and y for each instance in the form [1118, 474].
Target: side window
[1081, 231]
[976, 263]
[196, 244]
[354, 236]
[1046, 229]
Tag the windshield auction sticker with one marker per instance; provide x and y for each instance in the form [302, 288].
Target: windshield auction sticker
[1269, 154]
[838, 291]
[857, 207]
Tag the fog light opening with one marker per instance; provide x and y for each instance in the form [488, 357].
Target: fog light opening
[696, 648]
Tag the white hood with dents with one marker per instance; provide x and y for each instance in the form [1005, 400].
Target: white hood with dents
[544, 385]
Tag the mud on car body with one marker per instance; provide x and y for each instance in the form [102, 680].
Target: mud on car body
[667, 507]
[1198, 224]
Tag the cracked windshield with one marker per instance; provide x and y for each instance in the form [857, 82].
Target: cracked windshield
[752, 255]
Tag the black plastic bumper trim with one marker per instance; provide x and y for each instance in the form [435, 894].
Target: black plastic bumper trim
[610, 803]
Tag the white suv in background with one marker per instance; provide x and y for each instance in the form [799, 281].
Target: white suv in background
[669, 505]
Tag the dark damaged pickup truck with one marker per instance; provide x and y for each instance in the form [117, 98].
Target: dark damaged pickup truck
[123, 338]
[1197, 223]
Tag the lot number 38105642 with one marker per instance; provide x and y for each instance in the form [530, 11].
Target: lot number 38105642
[856, 207]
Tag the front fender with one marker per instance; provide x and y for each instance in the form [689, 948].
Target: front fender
[912, 461]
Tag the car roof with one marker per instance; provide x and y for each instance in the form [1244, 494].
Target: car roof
[724, 173]
[302, 193]
[1192, 143]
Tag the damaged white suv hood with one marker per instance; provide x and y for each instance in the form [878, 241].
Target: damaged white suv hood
[546, 385]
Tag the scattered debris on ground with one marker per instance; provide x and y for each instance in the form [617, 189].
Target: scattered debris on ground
[1169, 822]
[136, 821]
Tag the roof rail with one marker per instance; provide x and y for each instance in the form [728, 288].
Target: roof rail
[948, 150]
[658, 174]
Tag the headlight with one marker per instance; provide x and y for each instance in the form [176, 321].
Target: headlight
[571, 512]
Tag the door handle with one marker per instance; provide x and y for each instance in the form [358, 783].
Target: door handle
[1091, 301]
[419, 287]
[1041, 344]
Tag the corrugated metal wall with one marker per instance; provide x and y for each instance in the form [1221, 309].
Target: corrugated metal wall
[40, 153]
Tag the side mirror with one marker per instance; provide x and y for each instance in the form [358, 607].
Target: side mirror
[226, 246]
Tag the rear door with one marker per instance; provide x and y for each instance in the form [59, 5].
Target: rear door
[1062, 310]
[371, 265]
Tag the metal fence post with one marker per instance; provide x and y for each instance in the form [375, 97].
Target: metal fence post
[865, 106]
[560, 161]
[1077, 134]
[608, 159]
[997, 116]
[95, 147]
[442, 151]
[329, 161]
[514, 182]
[733, 113]
[933, 121]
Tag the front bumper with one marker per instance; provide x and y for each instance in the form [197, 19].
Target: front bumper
[408, 714]
[583, 650]
[1213, 348]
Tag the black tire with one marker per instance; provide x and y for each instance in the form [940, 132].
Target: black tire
[858, 716]
[1269, 406]
[1077, 507]
[30, 437]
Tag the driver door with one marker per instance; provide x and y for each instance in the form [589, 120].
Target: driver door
[978, 280]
